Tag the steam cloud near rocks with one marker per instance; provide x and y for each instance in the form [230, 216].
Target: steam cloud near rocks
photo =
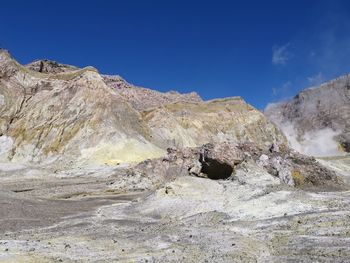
[319, 143]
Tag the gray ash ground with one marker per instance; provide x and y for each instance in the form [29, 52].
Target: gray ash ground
[67, 217]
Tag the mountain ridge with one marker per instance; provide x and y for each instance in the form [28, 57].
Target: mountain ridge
[313, 110]
[52, 111]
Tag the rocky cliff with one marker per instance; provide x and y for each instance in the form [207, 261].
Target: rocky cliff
[317, 120]
[193, 124]
[143, 99]
[50, 111]
[71, 115]
[199, 181]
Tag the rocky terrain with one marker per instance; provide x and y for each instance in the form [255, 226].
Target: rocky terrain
[317, 116]
[95, 169]
[143, 99]
[54, 112]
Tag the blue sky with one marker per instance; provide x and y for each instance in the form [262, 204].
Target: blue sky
[262, 51]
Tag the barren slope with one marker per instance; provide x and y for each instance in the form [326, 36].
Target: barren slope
[67, 115]
[193, 124]
[50, 111]
[317, 114]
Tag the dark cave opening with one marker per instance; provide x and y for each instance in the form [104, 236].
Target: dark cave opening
[214, 169]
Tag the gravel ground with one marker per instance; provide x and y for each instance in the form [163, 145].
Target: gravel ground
[77, 218]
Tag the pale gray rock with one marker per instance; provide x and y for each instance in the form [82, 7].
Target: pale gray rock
[317, 120]
[56, 113]
[94, 169]
[229, 120]
[143, 99]
[48, 66]
[70, 115]
[224, 160]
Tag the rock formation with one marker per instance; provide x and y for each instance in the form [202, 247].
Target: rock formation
[222, 160]
[48, 66]
[316, 116]
[53, 112]
[194, 124]
[71, 114]
[143, 99]
[95, 169]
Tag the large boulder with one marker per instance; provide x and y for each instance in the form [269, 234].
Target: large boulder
[222, 161]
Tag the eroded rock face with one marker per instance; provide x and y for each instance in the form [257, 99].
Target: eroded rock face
[294, 168]
[317, 120]
[218, 161]
[223, 160]
[53, 112]
[48, 66]
[240, 194]
[223, 120]
[73, 116]
[144, 99]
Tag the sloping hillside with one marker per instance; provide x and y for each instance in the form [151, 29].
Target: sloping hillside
[50, 111]
[317, 120]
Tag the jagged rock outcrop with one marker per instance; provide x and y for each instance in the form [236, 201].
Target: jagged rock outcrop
[50, 112]
[48, 66]
[239, 194]
[143, 99]
[223, 160]
[315, 116]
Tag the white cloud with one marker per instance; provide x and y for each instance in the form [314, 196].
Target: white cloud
[280, 54]
[316, 79]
